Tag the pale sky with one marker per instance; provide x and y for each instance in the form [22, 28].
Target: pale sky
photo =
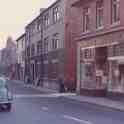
[15, 14]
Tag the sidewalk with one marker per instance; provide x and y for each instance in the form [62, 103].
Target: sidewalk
[100, 101]
[104, 102]
[45, 90]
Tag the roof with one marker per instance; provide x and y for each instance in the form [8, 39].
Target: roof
[77, 3]
[20, 37]
[50, 6]
[42, 12]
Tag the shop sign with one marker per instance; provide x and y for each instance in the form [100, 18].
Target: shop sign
[99, 73]
[116, 72]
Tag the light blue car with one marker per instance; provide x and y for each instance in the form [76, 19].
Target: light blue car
[6, 97]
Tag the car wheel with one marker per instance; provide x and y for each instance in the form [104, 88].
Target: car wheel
[8, 107]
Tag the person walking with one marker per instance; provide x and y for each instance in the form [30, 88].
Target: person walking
[61, 84]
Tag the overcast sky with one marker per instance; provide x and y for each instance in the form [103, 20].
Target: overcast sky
[15, 14]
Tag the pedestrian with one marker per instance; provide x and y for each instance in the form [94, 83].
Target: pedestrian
[61, 84]
[28, 81]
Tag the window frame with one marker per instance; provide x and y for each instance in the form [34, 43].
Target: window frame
[55, 41]
[115, 12]
[56, 14]
[86, 19]
[99, 14]
[46, 45]
[46, 19]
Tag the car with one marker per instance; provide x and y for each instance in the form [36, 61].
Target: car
[6, 97]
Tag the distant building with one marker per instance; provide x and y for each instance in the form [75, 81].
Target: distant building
[21, 56]
[8, 54]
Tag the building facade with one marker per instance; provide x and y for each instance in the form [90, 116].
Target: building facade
[59, 50]
[50, 46]
[33, 50]
[9, 57]
[21, 56]
[100, 52]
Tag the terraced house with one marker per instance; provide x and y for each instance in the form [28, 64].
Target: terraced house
[59, 50]
[50, 46]
[100, 65]
[21, 56]
[33, 49]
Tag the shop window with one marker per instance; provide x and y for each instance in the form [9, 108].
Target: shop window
[88, 70]
[88, 54]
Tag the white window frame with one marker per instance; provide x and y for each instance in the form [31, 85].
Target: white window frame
[115, 12]
[56, 14]
[99, 14]
[86, 19]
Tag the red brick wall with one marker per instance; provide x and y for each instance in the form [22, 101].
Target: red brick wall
[107, 14]
[72, 28]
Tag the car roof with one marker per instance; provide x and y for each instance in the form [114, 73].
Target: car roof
[3, 79]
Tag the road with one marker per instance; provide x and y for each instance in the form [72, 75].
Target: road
[34, 107]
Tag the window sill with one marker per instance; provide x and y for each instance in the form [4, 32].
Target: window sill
[100, 28]
[85, 32]
[115, 24]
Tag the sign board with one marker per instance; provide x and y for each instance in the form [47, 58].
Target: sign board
[116, 72]
[99, 73]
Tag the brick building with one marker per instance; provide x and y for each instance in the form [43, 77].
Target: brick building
[100, 61]
[57, 49]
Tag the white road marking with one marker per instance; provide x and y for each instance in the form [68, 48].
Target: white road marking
[45, 108]
[55, 95]
[77, 119]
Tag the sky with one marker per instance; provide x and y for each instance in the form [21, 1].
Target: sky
[16, 14]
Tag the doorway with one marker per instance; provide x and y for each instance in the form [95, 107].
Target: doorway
[102, 66]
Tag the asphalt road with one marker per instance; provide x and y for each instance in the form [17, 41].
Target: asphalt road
[34, 107]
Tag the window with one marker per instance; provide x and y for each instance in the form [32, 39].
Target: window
[39, 25]
[22, 43]
[32, 49]
[23, 55]
[88, 53]
[86, 19]
[39, 47]
[17, 45]
[56, 14]
[46, 20]
[28, 52]
[99, 13]
[46, 45]
[55, 41]
[115, 14]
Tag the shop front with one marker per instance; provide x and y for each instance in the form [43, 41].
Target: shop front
[116, 82]
[94, 71]
[98, 70]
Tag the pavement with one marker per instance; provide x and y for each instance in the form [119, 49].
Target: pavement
[31, 106]
[100, 101]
